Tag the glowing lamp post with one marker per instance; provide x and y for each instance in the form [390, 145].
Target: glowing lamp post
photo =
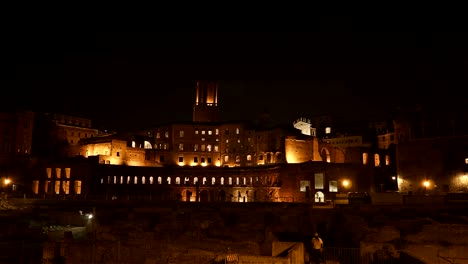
[346, 184]
[426, 185]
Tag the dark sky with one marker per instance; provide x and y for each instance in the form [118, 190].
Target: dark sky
[354, 67]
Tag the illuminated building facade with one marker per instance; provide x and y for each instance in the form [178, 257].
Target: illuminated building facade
[211, 160]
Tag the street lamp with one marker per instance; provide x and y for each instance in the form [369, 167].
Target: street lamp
[426, 185]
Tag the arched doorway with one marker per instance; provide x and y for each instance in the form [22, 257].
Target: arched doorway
[222, 196]
[204, 196]
[319, 197]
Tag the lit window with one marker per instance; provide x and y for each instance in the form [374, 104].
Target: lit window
[249, 157]
[195, 147]
[226, 158]
[466, 161]
[237, 131]
[166, 134]
[181, 133]
[327, 130]
[333, 186]
[387, 160]
[376, 159]
[196, 131]
[210, 132]
[304, 185]
[208, 147]
[216, 148]
[319, 179]
[238, 140]
[364, 158]
[203, 132]
[217, 131]
[202, 147]
[181, 146]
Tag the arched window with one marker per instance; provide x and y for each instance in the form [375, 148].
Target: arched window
[177, 180]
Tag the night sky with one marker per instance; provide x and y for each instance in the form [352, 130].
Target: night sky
[356, 68]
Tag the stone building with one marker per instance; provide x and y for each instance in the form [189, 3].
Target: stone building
[209, 160]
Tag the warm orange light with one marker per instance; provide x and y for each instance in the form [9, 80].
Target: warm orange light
[345, 183]
[7, 181]
[426, 183]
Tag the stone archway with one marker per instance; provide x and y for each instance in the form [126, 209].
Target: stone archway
[222, 196]
[325, 154]
[204, 196]
[319, 197]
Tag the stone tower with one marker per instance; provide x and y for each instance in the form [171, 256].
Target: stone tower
[205, 108]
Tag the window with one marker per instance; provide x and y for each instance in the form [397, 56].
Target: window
[208, 147]
[387, 160]
[364, 158]
[196, 131]
[161, 158]
[195, 147]
[319, 180]
[237, 131]
[210, 132]
[202, 147]
[217, 131]
[238, 159]
[376, 160]
[333, 186]
[195, 159]
[327, 130]
[181, 146]
[158, 135]
[226, 158]
[166, 134]
[181, 158]
[203, 132]
[216, 148]
[209, 160]
[249, 157]
[202, 160]
[304, 185]
[181, 133]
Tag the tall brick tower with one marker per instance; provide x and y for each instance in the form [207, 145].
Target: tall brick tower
[205, 108]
